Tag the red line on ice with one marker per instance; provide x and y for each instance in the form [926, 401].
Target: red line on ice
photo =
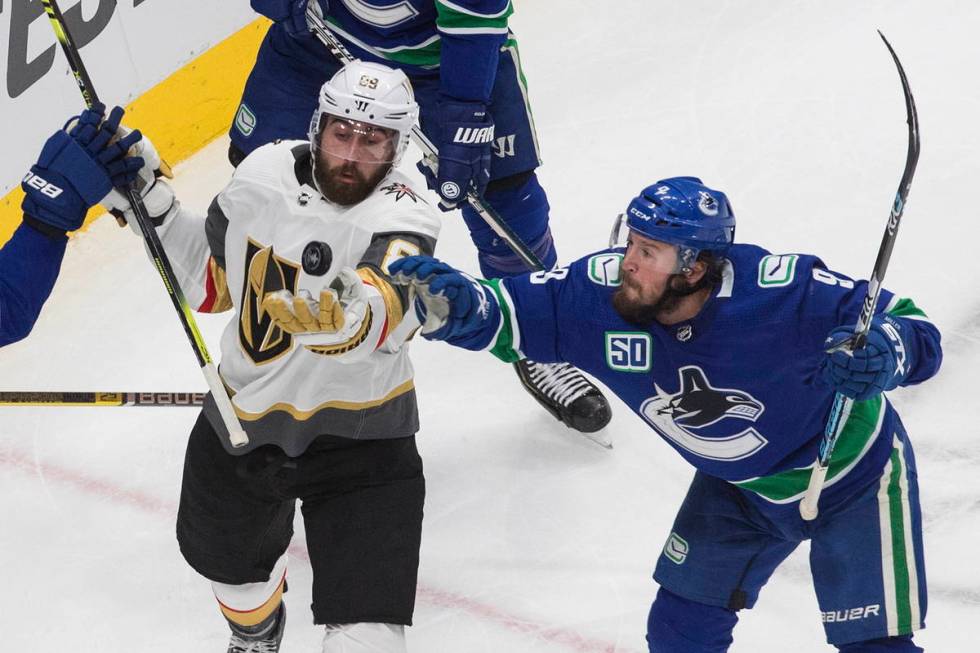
[46, 471]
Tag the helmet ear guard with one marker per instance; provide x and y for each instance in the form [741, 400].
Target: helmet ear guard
[682, 211]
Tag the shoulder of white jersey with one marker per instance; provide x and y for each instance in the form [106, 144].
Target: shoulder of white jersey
[398, 205]
[268, 172]
[272, 164]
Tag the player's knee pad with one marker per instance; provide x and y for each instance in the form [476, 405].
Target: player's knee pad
[521, 202]
[678, 625]
[364, 638]
[251, 603]
[901, 644]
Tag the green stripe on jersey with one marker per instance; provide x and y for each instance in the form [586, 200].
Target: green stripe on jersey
[855, 438]
[503, 347]
[425, 54]
[899, 551]
[452, 17]
[904, 307]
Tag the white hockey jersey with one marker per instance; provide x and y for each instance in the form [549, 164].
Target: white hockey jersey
[270, 230]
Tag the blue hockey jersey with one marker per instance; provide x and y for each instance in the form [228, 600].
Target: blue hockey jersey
[460, 38]
[29, 266]
[733, 389]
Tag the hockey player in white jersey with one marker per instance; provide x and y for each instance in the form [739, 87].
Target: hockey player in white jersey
[315, 358]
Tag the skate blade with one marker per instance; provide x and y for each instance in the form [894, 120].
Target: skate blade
[600, 437]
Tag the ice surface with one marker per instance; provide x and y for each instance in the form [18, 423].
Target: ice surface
[535, 540]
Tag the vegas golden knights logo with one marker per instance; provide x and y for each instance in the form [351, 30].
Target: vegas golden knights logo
[264, 273]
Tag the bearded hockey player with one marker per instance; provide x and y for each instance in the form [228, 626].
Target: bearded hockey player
[720, 349]
[464, 64]
[298, 246]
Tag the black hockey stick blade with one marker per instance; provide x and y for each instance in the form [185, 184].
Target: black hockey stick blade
[912, 158]
[45, 398]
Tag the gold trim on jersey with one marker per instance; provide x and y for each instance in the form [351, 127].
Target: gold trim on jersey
[393, 303]
[303, 415]
[398, 248]
[222, 299]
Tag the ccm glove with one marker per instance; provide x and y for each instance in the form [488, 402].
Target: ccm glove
[465, 137]
[450, 303]
[76, 169]
[881, 365]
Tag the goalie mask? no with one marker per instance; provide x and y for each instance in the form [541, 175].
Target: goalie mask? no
[360, 130]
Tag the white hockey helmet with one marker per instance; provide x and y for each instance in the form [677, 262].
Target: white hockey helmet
[364, 95]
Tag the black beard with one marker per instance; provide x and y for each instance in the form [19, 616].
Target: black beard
[646, 314]
[343, 193]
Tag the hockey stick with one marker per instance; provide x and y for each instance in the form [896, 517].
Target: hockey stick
[235, 432]
[431, 154]
[44, 398]
[842, 405]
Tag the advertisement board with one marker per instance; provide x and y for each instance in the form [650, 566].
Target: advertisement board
[128, 47]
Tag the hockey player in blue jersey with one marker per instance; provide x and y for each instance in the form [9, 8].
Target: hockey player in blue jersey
[720, 349]
[464, 65]
[31, 259]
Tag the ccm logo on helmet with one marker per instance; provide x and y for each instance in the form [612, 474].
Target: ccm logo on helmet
[638, 213]
[46, 188]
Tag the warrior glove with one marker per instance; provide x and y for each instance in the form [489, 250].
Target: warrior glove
[465, 137]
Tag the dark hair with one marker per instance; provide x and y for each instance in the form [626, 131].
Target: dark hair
[715, 271]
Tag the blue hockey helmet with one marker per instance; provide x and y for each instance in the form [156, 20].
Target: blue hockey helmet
[684, 212]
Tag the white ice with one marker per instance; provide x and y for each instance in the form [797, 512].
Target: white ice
[536, 540]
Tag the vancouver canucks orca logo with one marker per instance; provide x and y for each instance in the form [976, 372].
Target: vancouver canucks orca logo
[698, 405]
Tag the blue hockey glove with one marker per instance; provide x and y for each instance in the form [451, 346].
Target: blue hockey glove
[291, 13]
[464, 140]
[76, 169]
[865, 373]
[452, 304]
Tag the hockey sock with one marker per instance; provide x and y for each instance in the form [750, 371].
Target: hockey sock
[365, 638]
[678, 625]
[901, 644]
[252, 607]
[522, 203]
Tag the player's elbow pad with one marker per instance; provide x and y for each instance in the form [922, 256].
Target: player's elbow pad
[925, 350]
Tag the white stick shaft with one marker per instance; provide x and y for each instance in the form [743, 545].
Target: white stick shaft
[808, 505]
[236, 434]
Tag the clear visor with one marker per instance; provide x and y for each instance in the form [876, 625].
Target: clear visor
[647, 253]
[352, 140]
[619, 233]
